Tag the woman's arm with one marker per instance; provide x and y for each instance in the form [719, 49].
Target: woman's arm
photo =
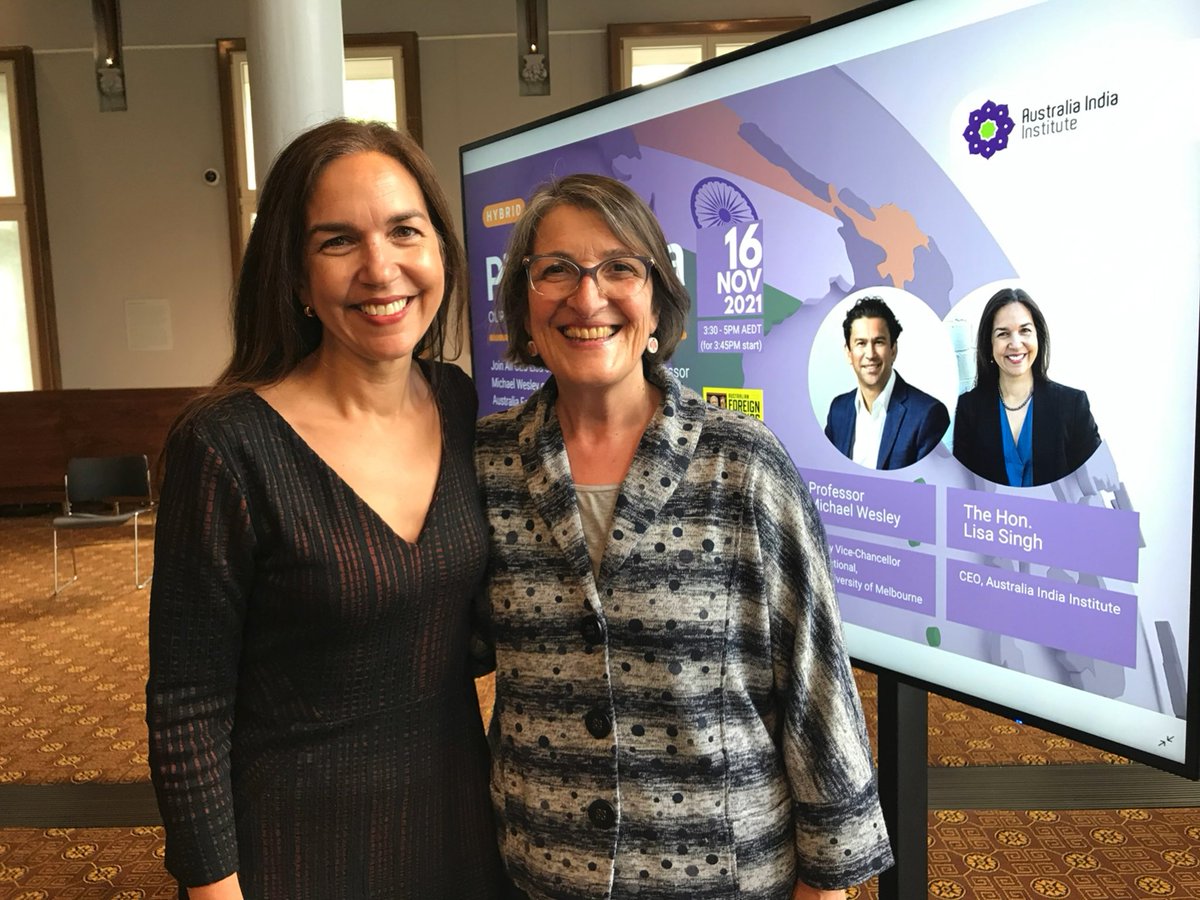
[203, 570]
[1083, 437]
[964, 431]
[483, 648]
[225, 889]
[840, 838]
[804, 892]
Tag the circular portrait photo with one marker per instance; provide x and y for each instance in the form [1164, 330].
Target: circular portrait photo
[882, 378]
[1013, 425]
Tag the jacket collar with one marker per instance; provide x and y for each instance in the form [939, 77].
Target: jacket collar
[659, 464]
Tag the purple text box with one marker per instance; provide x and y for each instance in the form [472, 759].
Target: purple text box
[730, 290]
[1073, 617]
[1083, 538]
[899, 578]
[902, 509]
[729, 345]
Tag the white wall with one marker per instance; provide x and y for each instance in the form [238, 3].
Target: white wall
[130, 217]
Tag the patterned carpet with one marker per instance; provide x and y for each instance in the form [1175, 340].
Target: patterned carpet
[76, 666]
[1122, 853]
[72, 676]
[84, 864]
[984, 854]
[73, 695]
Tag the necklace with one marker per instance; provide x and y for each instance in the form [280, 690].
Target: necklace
[1020, 405]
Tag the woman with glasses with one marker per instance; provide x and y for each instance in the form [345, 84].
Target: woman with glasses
[675, 713]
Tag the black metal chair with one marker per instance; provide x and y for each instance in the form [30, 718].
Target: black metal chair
[106, 480]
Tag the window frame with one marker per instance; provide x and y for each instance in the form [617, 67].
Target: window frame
[703, 33]
[28, 209]
[229, 51]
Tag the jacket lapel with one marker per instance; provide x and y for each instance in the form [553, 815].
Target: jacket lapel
[548, 477]
[659, 465]
[1046, 421]
[891, 421]
[844, 422]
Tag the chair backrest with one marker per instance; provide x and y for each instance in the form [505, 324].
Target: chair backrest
[98, 478]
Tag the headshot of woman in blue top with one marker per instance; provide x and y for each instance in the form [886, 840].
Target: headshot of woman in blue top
[1016, 426]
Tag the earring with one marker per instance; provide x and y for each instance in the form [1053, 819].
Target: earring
[308, 311]
[652, 345]
[532, 348]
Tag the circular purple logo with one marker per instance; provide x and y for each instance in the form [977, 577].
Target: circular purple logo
[717, 202]
[988, 129]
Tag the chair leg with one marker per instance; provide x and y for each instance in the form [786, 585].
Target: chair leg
[58, 588]
[137, 582]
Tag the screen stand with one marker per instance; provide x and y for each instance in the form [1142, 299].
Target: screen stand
[903, 785]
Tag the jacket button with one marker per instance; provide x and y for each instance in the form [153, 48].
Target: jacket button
[598, 723]
[592, 630]
[601, 814]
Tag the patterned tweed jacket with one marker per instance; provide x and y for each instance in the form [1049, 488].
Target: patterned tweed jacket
[686, 724]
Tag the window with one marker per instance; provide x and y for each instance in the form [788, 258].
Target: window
[28, 337]
[644, 52]
[381, 82]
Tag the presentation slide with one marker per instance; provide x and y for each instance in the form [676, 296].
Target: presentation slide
[931, 155]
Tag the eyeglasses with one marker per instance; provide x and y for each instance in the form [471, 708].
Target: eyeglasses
[555, 277]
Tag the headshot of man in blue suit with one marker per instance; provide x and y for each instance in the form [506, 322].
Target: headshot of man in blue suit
[884, 423]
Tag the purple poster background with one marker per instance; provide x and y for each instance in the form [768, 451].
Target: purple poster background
[718, 284]
[878, 505]
[899, 578]
[1073, 617]
[1102, 541]
[847, 215]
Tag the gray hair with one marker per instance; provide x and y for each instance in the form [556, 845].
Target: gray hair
[630, 220]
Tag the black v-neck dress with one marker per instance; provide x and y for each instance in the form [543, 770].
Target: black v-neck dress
[313, 721]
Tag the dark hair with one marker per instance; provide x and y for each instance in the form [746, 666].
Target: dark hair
[630, 220]
[985, 365]
[871, 308]
[271, 334]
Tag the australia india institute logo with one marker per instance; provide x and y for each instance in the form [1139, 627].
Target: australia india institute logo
[988, 128]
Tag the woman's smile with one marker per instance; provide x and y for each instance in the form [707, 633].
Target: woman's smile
[1014, 340]
[391, 307]
[374, 273]
[591, 333]
[589, 337]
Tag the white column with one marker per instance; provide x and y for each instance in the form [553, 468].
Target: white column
[294, 51]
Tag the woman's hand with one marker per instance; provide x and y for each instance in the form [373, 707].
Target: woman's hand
[803, 892]
[225, 889]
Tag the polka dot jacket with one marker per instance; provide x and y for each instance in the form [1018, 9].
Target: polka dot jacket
[686, 724]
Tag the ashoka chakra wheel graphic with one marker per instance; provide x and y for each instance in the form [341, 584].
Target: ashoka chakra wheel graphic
[716, 202]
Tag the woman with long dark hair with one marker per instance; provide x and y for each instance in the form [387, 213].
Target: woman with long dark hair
[314, 731]
[1016, 426]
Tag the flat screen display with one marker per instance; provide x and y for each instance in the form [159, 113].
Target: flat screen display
[931, 154]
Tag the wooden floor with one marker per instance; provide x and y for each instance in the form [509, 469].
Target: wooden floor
[1014, 812]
